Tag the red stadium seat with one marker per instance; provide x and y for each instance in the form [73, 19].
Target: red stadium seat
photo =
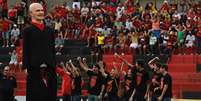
[182, 68]
[176, 59]
[188, 59]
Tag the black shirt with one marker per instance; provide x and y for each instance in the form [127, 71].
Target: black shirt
[112, 86]
[96, 82]
[167, 79]
[155, 84]
[141, 78]
[77, 85]
[7, 85]
[129, 85]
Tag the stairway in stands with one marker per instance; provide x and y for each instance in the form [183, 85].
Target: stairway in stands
[186, 77]
[72, 49]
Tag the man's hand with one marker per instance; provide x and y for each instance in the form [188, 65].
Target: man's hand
[84, 59]
[100, 96]
[130, 99]
[43, 65]
[160, 98]
[153, 80]
[115, 54]
[157, 58]
[78, 58]
[70, 61]
[146, 96]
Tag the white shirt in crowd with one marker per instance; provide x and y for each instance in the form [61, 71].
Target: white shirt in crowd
[84, 11]
[152, 40]
[166, 38]
[13, 58]
[15, 32]
[190, 39]
[120, 11]
[58, 26]
[129, 25]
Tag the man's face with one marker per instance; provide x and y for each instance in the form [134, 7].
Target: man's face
[129, 72]
[112, 73]
[37, 13]
[157, 70]
[162, 70]
[6, 71]
[95, 69]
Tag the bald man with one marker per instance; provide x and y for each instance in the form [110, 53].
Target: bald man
[39, 57]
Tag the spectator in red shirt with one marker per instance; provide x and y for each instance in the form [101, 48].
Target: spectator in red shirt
[76, 82]
[166, 24]
[12, 13]
[4, 8]
[63, 71]
[109, 41]
[5, 30]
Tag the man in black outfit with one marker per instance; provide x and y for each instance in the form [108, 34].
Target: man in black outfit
[39, 57]
[96, 79]
[166, 84]
[141, 77]
[112, 84]
[7, 85]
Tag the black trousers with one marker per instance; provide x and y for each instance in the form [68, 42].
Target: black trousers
[38, 91]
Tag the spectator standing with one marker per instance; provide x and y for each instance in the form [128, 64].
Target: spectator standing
[5, 31]
[13, 61]
[166, 84]
[59, 44]
[190, 40]
[15, 32]
[7, 85]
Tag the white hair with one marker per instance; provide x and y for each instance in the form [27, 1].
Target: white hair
[31, 7]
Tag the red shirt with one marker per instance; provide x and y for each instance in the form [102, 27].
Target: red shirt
[5, 26]
[167, 25]
[12, 13]
[199, 29]
[164, 7]
[19, 54]
[5, 4]
[137, 23]
[130, 10]
[113, 1]
[111, 9]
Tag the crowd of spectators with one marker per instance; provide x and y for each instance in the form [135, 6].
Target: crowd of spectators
[116, 26]
[127, 26]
